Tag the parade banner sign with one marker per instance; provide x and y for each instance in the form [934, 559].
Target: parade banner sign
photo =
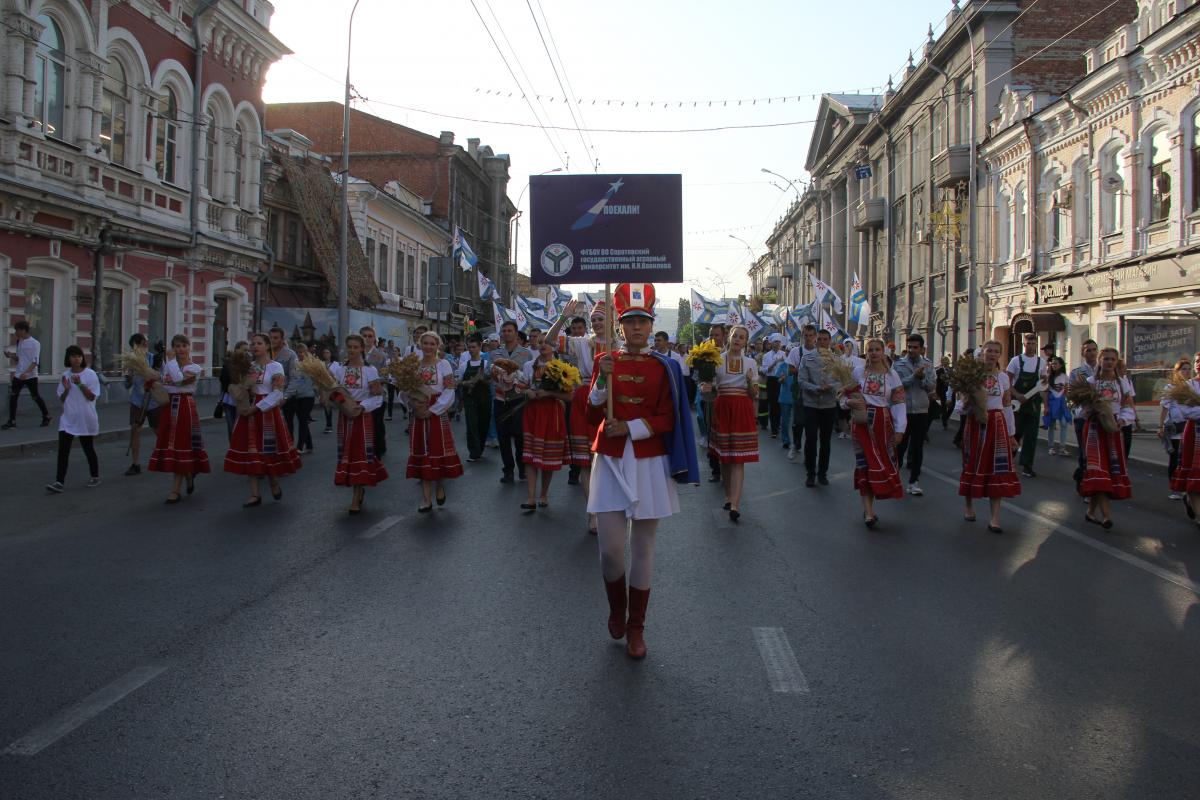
[606, 228]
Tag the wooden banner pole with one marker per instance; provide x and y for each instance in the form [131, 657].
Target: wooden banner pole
[608, 343]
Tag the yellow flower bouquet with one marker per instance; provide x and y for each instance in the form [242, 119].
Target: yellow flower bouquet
[559, 376]
[703, 360]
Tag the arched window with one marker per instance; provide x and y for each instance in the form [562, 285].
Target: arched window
[1019, 210]
[114, 115]
[239, 154]
[1195, 147]
[212, 149]
[1112, 186]
[1082, 202]
[166, 143]
[1160, 176]
[1003, 227]
[50, 76]
[1054, 218]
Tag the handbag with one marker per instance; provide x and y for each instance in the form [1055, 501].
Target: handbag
[219, 410]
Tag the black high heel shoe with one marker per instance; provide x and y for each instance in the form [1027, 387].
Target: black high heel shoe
[734, 514]
[441, 497]
[727, 506]
[277, 493]
[191, 484]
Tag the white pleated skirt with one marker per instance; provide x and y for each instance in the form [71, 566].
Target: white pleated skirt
[640, 487]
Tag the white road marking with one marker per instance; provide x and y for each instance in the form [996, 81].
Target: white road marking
[782, 670]
[832, 477]
[1083, 538]
[382, 526]
[91, 706]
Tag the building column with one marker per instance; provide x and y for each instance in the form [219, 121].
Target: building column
[1131, 200]
[853, 194]
[826, 265]
[1177, 234]
[1096, 248]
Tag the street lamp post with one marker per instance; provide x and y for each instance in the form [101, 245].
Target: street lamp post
[344, 249]
[789, 182]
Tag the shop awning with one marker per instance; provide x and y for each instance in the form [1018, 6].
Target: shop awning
[1174, 309]
[1042, 321]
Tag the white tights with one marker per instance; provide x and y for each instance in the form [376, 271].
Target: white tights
[612, 527]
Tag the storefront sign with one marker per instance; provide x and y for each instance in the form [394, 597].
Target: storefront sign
[1053, 292]
[411, 305]
[1158, 345]
[606, 228]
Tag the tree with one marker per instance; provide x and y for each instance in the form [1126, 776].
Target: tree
[692, 334]
[685, 318]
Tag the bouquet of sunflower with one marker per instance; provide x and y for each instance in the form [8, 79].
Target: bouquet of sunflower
[1087, 398]
[559, 376]
[967, 377]
[703, 360]
[134, 362]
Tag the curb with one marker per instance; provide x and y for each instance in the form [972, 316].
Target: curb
[42, 446]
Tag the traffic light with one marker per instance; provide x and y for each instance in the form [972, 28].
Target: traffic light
[470, 327]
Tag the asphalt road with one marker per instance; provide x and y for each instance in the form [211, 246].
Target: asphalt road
[292, 651]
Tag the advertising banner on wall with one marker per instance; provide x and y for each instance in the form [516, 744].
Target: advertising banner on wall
[1158, 345]
[606, 228]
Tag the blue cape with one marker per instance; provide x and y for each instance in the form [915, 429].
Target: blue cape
[681, 442]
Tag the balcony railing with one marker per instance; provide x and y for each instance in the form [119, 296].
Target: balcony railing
[772, 282]
[952, 165]
[870, 213]
[812, 254]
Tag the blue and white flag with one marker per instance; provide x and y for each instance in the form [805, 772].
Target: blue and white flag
[559, 297]
[462, 251]
[860, 309]
[503, 314]
[705, 311]
[823, 294]
[533, 311]
[835, 330]
[487, 289]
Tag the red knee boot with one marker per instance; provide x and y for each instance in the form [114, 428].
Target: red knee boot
[617, 603]
[635, 645]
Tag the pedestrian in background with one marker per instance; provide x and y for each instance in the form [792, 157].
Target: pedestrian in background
[327, 357]
[25, 357]
[376, 357]
[306, 398]
[945, 396]
[179, 448]
[1129, 414]
[1058, 416]
[1186, 478]
[917, 374]
[774, 367]
[799, 413]
[77, 390]
[507, 410]
[1025, 371]
[820, 411]
[787, 402]
[1172, 422]
[1085, 371]
[230, 407]
[286, 358]
[142, 407]
[987, 453]
[474, 378]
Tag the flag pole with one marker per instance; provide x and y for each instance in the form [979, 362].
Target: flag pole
[608, 341]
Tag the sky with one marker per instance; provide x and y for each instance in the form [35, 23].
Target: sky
[423, 64]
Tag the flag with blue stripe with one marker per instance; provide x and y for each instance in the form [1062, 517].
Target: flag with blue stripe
[462, 251]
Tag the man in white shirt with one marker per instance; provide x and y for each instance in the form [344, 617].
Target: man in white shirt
[793, 362]
[25, 358]
[774, 366]
[1091, 355]
[1025, 373]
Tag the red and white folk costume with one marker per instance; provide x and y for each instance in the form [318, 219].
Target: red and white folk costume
[875, 467]
[580, 432]
[631, 486]
[987, 457]
[1186, 479]
[260, 444]
[733, 434]
[1106, 471]
[358, 463]
[431, 452]
[544, 425]
[179, 445]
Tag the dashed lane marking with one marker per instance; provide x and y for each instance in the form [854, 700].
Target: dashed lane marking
[383, 526]
[90, 707]
[1084, 539]
[783, 672]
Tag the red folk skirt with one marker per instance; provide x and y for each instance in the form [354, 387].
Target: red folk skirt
[987, 459]
[179, 446]
[1187, 474]
[875, 456]
[431, 452]
[544, 436]
[260, 445]
[357, 463]
[1105, 472]
[579, 433]
[733, 433]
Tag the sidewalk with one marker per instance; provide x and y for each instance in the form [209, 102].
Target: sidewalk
[30, 438]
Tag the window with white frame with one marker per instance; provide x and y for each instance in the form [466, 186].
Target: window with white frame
[1003, 227]
[1019, 211]
[1195, 151]
[114, 115]
[50, 77]
[212, 157]
[166, 142]
[410, 276]
[385, 262]
[1160, 176]
[1054, 221]
[1112, 187]
[239, 163]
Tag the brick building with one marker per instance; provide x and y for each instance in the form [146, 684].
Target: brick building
[464, 187]
[130, 139]
[890, 197]
[1094, 199]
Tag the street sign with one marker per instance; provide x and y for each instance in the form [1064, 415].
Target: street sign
[606, 228]
[440, 292]
[862, 171]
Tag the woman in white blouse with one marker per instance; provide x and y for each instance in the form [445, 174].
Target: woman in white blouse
[260, 444]
[1185, 478]
[1106, 476]
[77, 390]
[876, 475]
[179, 447]
[432, 457]
[357, 464]
[733, 435]
[987, 450]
